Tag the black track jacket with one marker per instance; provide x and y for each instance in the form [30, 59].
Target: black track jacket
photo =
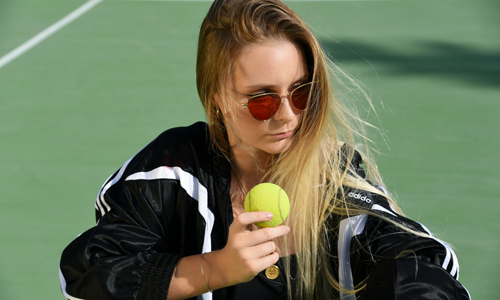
[172, 200]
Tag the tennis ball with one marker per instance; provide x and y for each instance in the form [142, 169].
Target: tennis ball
[268, 197]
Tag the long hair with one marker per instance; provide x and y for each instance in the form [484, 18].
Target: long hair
[311, 170]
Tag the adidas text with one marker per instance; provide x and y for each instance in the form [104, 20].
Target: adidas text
[358, 196]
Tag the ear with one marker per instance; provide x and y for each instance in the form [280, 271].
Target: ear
[220, 105]
[217, 102]
[217, 106]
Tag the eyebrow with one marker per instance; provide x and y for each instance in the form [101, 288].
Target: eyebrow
[266, 86]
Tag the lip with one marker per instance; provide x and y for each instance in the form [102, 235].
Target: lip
[283, 135]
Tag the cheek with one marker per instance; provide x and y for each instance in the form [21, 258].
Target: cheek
[249, 128]
[241, 125]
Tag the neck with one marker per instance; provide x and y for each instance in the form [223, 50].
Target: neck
[249, 169]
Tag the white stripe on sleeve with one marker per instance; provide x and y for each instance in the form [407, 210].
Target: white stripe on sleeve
[349, 228]
[450, 254]
[195, 190]
[62, 281]
[100, 201]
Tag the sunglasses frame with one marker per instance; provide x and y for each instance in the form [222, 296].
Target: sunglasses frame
[288, 96]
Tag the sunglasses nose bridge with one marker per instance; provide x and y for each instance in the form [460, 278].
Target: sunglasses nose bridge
[287, 96]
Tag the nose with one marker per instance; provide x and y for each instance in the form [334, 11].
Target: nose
[286, 111]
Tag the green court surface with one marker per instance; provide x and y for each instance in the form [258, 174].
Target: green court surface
[79, 104]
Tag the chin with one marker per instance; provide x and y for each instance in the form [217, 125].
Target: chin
[277, 148]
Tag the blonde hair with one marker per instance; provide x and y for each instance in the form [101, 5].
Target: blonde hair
[311, 170]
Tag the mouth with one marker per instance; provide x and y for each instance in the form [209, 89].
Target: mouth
[283, 135]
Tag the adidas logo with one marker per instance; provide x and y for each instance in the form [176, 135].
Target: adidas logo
[360, 197]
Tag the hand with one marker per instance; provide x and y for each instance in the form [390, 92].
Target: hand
[247, 252]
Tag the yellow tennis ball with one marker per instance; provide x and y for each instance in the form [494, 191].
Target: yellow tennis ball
[268, 197]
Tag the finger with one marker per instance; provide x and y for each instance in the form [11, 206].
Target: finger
[262, 263]
[256, 237]
[259, 251]
[247, 218]
[268, 233]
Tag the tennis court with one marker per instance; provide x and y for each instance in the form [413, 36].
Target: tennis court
[78, 104]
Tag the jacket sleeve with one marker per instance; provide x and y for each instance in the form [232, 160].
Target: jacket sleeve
[150, 213]
[411, 278]
[391, 262]
[126, 255]
[401, 264]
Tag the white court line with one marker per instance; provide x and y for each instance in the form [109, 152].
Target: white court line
[165, 0]
[83, 9]
[47, 32]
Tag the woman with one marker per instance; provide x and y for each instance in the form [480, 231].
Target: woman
[171, 222]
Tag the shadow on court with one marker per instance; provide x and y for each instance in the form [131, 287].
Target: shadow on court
[445, 60]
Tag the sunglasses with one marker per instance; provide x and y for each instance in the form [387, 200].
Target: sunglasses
[264, 106]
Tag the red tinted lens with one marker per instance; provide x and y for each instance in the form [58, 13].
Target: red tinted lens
[264, 107]
[300, 97]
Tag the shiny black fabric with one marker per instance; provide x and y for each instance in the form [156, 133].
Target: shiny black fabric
[145, 226]
[132, 251]
[410, 278]
[263, 288]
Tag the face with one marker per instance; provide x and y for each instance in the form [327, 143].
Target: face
[272, 67]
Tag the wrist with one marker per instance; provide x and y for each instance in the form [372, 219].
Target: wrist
[213, 268]
[203, 273]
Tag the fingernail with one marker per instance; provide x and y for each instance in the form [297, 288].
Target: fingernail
[287, 229]
[269, 216]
